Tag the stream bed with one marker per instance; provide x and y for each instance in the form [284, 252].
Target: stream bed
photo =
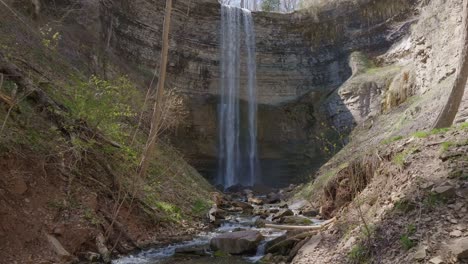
[168, 254]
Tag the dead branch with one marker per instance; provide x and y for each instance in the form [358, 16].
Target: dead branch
[305, 228]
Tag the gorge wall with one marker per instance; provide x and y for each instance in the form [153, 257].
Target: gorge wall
[301, 59]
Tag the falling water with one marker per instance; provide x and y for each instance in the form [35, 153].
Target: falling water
[238, 159]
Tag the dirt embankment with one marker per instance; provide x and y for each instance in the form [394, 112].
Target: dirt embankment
[67, 175]
[405, 202]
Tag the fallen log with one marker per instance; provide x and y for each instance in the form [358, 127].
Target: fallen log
[305, 228]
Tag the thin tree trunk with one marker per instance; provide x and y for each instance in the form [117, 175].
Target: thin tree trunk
[449, 112]
[157, 109]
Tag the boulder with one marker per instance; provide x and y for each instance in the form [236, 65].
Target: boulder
[282, 214]
[198, 250]
[237, 242]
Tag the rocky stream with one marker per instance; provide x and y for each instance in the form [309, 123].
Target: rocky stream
[247, 227]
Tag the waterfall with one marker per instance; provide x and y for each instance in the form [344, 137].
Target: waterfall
[238, 158]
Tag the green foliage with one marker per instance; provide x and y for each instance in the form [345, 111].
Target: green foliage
[424, 134]
[331, 139]
[464, 125]
[445, 146]
[200, 207]
[91, 216]
[390, 140]
[433, 199]
[359, 254]
[173, 212]
[220, 254]
[105, 104]
[400, 158]
[404, 206]
[271, 5]
[406, 242]
[421, 134]
[50, 37]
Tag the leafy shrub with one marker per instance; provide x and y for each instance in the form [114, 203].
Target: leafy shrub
[105, 104]
[359, 254]
[200, 207]
[406, 242]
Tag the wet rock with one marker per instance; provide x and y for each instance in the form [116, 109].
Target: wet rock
[459, 248]
[296, 220]
[267, 258]
[262, 212]
[218, 199]
[200, 250]
[237, 242]
[273, 210]
[248, 193]
[256, 201]
[310, 213]
[91, 256]
[273, 198]
[280, 245]
[216, 213]
[282, 214]
[234, 209]
[245, 206]
[259, 223]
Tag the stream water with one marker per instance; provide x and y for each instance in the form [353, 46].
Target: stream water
[233, 222]
[166, 254]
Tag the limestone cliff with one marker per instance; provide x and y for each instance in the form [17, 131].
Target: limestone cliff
[301, 58]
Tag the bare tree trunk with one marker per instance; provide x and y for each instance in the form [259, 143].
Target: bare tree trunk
[449, 112]
[158, 104]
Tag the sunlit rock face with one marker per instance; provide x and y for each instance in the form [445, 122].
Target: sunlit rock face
[301, 58]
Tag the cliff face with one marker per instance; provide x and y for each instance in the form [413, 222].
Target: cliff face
[301, 58]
